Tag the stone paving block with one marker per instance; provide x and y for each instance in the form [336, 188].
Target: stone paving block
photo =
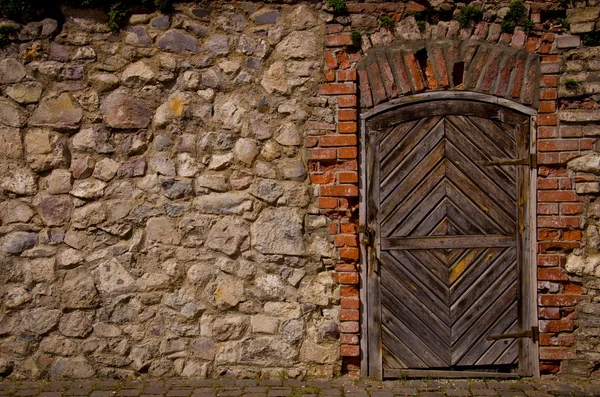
[271, 382]
[102, 393]
[512, 393]
[484, 392]
[405, 391]
[536, 393]
[213, 394]
[364, 393]
[157, 390]
[75, 391]
[330, 391]
[431, 394]
[522, 386]
[50, 394]
[128, 392]
[479, 384]
[179, 392]
[26, 392]
[277, 392]
[229, 392]
[457, 392]
[254, 395]
[246, 382]
[381, 394]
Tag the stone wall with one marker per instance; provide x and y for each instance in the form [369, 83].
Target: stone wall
[156, 213]
[181, 198]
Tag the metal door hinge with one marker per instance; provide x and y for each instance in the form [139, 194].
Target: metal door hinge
[530, 161]
[533, 333]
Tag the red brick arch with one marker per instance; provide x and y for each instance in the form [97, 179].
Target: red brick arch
[406, 68]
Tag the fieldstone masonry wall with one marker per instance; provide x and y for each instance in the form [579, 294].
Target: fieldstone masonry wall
[156, 213]
[181, 198]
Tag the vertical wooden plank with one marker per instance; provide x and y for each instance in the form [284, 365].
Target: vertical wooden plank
[362, 220]
[374, 289]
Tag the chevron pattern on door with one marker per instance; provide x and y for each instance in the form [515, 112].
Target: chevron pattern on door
[448, 229]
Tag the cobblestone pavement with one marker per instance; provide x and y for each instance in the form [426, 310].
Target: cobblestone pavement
[295, 388]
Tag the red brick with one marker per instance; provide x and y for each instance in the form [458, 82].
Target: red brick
[557, 145]
[322, 179]
[571, 131]
[348, 315]
[531, 44]
[346, 267]
[377, 87]
[557, 353]
[339, 191]
[322, 154]
[347, 115]
[549, 367]
[505, 73]
[564, 157]
[548, 37]
[348, 228]
[349, 253]
[547, 119]
[349, 351]
[346, 75]
[548, 260]
[348, 153]
[347, 128]
[334, 28]
[549, 313]
[327, 203]
[333, 228]
[349, 339]
[558, 300]
[349, 327]
[545, 234]
[586, 144]
[366, 99]
[548, 158]
[571, 235]
[515, 91]
[491, 72]
[330, 60]
[547, 183]
[311, 141]
[557, 196]
[338, 40]
[558, 221]
[337, 89]
[346, 101]
[338, 140]
[348, 177]
[343, 60]
[552, 274]
[341, 240]
[548, 94]
[400, 71]
[552, 246]
[388, 80]
[556, 325]
[548, 81]
[547, 209]
[573, 289]
[547, 107]
[414, 70]
[348, 291]
[565, 184]
[350, 303]
[440, 66]
[329, 75]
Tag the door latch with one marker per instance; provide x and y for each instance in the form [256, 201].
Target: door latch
[367, 235]
[533, 333]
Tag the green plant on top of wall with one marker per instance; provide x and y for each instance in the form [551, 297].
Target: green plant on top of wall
[467, 14]
[337, 5]
[563, 22]
[528, 26]
[356, 37]
[5, 32]
[590, 38]
[571, 84]
[386, 22]
[516, 11]
[23, 10]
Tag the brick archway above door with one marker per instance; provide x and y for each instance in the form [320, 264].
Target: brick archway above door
[409, 67]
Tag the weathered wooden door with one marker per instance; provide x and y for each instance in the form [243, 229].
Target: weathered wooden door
[447, 188]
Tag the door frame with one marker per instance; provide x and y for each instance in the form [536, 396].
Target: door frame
[370, 343]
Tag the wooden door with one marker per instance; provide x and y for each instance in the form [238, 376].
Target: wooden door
[447, 193]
